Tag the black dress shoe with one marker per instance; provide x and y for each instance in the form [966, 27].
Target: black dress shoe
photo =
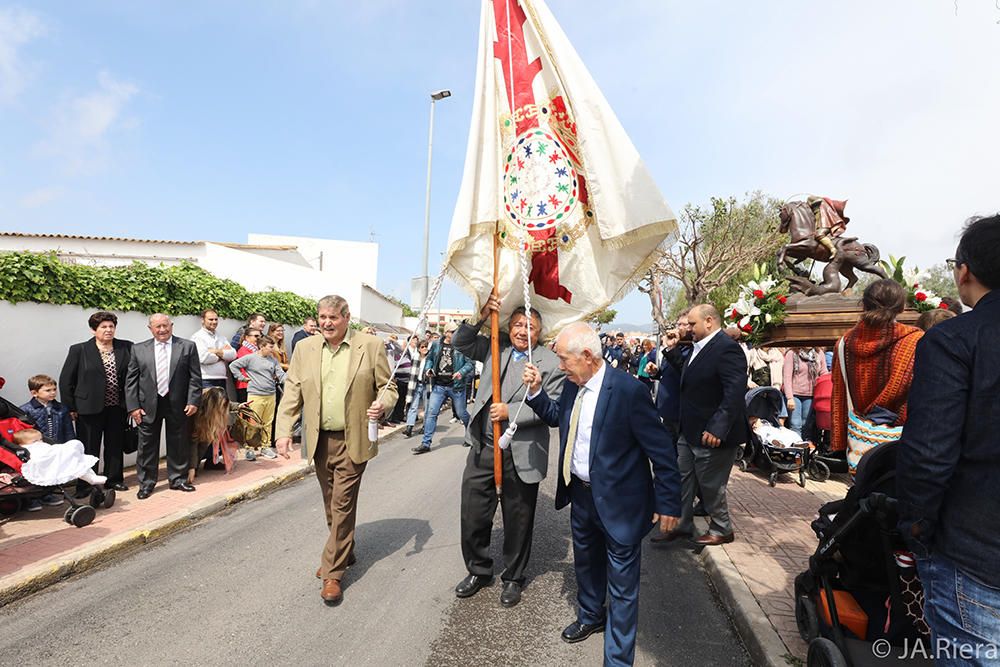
[471, 585]
[408, 431]
[181, 486]
[144, 493]
[420, 450]
[117, 486]
[577, 631]
[511, 594]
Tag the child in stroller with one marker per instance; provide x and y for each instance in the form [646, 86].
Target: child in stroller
[31, 470]
[773, 448]
[861, 586]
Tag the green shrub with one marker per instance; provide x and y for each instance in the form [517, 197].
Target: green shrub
[185, 289]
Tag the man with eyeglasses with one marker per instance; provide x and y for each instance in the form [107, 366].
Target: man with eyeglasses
[948, 461]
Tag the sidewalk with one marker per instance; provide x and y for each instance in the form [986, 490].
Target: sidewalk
[773, 544]
[39, 548]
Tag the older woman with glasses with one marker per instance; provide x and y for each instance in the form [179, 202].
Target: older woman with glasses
[92, 383]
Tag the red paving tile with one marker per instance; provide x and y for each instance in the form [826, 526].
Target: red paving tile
[774, 541]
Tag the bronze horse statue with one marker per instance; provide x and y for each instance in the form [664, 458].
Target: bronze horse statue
[798, 221]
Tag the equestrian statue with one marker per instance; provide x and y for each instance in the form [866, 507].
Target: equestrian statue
[816, 227]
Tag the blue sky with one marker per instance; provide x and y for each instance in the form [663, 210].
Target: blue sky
[212, 120]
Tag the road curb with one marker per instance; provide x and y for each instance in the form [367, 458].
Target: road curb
[759, 637]
[42, 575]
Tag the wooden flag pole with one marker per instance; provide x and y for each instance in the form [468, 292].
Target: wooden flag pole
[495, 358]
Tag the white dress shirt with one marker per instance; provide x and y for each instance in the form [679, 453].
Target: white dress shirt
[156, 351]
[580, 465]
[699, 345]
[212, 368]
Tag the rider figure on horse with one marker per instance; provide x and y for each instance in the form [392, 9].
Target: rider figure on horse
[830, 220]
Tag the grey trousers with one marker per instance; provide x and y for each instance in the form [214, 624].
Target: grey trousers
[708, 469]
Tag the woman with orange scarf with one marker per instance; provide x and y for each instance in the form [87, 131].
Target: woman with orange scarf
[878, 353]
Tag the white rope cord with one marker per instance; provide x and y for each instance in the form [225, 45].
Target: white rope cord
[508, 435]
[524, 241]
[419, 330]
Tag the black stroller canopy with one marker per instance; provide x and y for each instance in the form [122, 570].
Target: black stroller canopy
[764, 403]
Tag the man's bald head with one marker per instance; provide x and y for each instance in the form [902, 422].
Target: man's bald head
[704, 319]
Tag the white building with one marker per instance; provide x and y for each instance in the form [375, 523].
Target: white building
[309, 267]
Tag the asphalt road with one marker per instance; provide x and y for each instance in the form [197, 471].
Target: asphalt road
[239, 589]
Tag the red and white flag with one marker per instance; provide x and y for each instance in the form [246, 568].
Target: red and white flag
[549, 165]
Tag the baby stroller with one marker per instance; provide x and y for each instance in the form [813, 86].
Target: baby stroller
[765, 403]
[16, 491]
[822, 410]
[861, 585]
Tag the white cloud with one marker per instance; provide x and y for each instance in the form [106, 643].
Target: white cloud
[40, 197]
[81, 126]
[17, 28]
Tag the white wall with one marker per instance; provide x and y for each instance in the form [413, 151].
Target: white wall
[377, 308]
[257, 273]
[34, 338]
[356, 259]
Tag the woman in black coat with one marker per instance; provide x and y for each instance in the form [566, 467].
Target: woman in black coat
[92, 385]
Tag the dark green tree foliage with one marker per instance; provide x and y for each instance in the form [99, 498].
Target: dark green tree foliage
[184, 289]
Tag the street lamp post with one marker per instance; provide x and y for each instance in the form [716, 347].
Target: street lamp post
[425, 278]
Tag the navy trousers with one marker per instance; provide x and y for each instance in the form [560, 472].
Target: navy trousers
[606, 572]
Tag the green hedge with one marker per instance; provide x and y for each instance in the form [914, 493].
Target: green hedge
[185, 289]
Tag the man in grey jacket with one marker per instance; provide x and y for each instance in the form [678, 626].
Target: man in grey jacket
[525, 461]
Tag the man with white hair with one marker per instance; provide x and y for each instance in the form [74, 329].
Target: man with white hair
[163, 384]
[610, 433]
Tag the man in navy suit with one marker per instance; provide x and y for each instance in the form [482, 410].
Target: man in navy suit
[609, 433]
[713, 422]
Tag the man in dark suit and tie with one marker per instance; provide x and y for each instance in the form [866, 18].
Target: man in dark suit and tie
[713, 423]
[609, 433]
[163, 384]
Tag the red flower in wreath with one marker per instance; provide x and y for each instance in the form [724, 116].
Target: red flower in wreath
[748, 327]
[943, 305]
[734, 315]
[758, 294]
[782, 299]
[920, 296]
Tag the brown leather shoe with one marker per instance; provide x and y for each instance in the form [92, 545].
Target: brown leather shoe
[332, 595]
[710, 540]
[351, 560]
[666, 538]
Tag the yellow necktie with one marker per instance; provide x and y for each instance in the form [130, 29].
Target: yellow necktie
[574, 421]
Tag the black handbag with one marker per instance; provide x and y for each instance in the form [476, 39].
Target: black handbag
[131, 442]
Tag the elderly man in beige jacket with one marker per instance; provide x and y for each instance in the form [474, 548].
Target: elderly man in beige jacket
[335, 384]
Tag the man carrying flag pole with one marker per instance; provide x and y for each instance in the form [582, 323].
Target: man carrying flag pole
[556, 206]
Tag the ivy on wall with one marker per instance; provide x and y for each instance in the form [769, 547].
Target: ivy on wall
[184, 289]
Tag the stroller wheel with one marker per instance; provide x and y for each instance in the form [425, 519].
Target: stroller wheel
[82, 516]
[742, 465]
[824, 653]
[802, 478]
[68, 514]
[96, 498]
[109, 498]
[10, 506]
[806, 619]
[819, 471]
[772, 479]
